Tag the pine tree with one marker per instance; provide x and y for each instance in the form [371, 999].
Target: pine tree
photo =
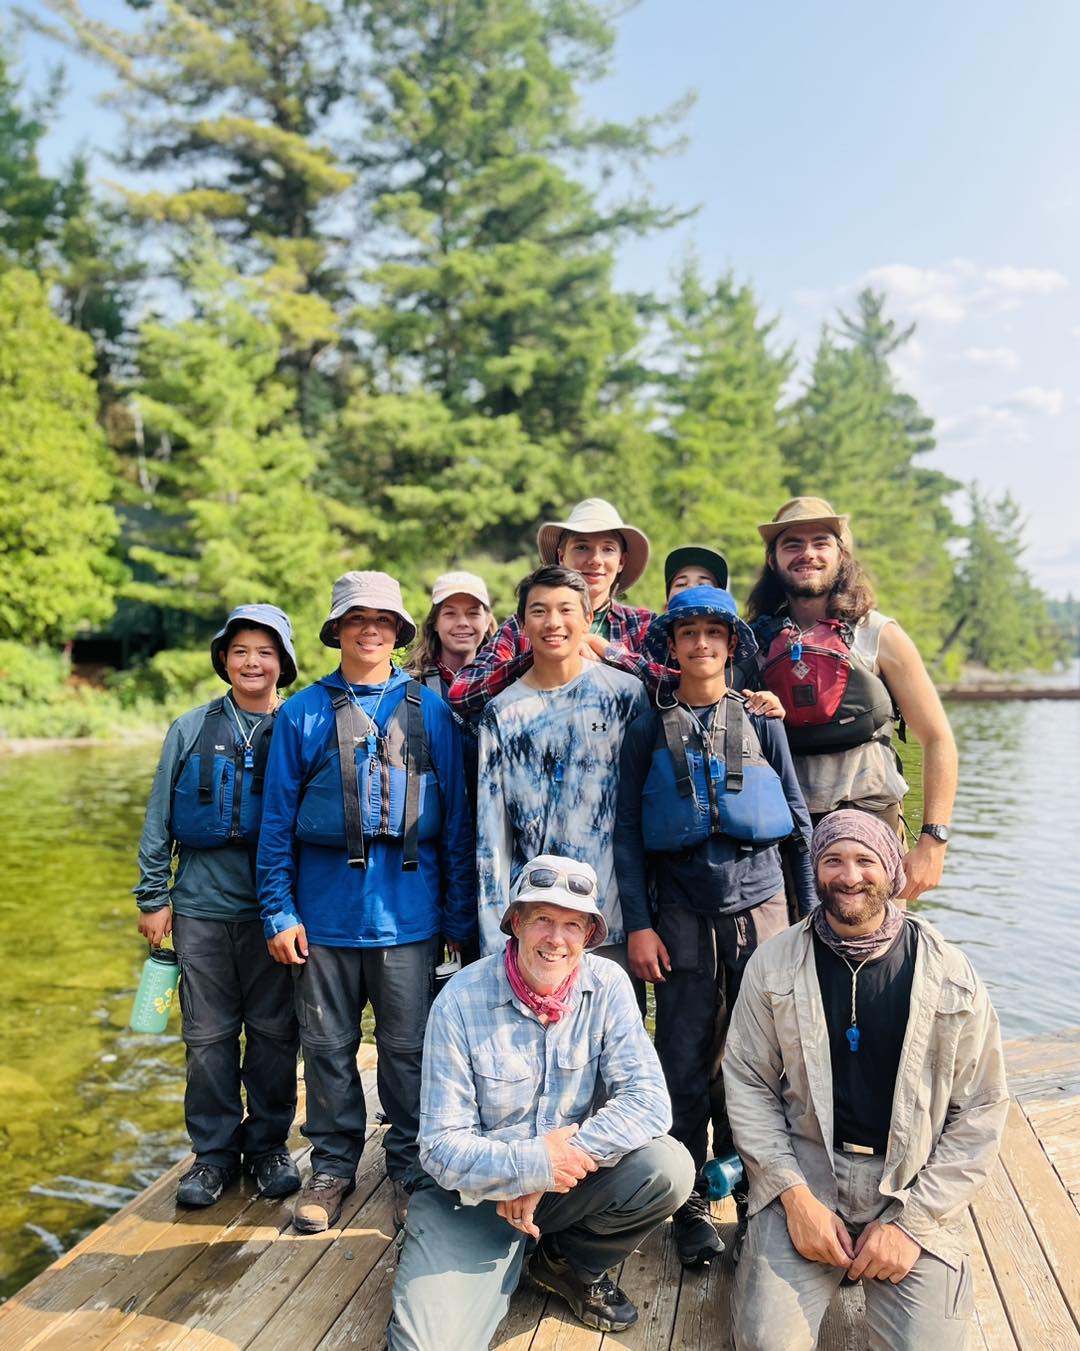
[722, 471]
[854, 437]
[56, 527]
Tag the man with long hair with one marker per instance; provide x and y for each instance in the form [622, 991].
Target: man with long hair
[843, 671]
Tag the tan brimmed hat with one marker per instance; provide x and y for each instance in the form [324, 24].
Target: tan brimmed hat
[806, 511]
[594, 516]
[563, 882]
[460, 584]
[366, 591]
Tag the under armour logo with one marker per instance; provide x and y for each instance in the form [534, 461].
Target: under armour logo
[599, 726]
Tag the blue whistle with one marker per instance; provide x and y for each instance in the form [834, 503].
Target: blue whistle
[853, 1038]
[372, 744]
[796, 652]
[714, 769]
[249, 758]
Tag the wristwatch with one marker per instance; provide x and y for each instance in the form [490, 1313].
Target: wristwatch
[939, 833]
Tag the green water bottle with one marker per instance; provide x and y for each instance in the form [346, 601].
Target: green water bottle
[156, 995]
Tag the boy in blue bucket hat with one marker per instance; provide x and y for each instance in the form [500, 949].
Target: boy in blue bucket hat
[205, 808]
[707, 792]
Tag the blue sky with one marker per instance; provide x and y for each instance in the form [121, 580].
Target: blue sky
[929, 149]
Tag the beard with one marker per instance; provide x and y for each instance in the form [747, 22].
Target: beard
[854, 908]
[807, 587]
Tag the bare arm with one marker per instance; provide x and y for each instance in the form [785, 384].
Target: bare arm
[903, 671]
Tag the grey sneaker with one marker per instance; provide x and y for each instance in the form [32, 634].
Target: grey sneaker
[203, 1184]
[275, 1174]
[598, 1304]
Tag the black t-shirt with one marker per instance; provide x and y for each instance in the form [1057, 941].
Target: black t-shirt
[864, 1080]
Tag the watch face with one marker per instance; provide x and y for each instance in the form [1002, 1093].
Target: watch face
[939, 833]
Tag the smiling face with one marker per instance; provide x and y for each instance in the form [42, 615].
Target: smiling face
[692, 575]
[555, 622]
[852, 885]
[368, 638]
[702, 646]
[599, 559]
[807, 561]
[461, 625]
[253, 665]
[551, 941]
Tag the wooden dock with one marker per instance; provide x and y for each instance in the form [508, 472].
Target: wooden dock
[236, 1275]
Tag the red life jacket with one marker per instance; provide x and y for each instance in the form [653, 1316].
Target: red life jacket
[831, 700]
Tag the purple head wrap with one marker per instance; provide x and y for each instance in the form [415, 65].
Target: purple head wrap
[866, 829]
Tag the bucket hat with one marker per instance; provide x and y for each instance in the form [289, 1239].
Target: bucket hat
[695, 555]
[806, 511]
[559, 881]
[460, 584]
[594, 516]
[256, 616]
[370, 591]
[690, 604]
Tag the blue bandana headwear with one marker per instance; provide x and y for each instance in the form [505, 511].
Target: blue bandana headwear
[693, 603]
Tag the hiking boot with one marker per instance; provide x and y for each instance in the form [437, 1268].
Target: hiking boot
[319, 1204]
[275, 1174]
[401, 1204]
[598, 1304]
[203, 1184]
[696, 1239]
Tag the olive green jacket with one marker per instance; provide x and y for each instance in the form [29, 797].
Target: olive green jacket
[949, 1106]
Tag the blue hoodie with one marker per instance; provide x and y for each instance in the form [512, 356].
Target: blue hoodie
[378, 906]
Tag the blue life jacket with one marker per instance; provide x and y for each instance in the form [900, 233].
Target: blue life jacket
[690, 795]
[217, 799]
[388, 789]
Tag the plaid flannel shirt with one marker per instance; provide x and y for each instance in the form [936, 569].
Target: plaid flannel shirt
[496, 1080]
[508, 655]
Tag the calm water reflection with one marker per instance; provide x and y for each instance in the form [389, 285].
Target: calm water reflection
[92, 1113]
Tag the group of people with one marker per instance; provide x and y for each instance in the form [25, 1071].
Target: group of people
[582, 801]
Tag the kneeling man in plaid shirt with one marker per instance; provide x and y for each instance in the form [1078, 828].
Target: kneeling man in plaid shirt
[543, 1113]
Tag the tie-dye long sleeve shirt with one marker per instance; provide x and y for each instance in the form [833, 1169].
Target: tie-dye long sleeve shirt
[549, 784]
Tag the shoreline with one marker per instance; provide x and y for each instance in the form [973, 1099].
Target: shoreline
[29, 745]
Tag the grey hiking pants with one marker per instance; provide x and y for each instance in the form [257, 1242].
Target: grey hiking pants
[460, 1264]
[229, 981]
[780, 1298]
[331, 990]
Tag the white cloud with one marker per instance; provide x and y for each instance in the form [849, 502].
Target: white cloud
[982, 424]
[925, 292]
[996, 358]
[1036, 399]
[1032, 281]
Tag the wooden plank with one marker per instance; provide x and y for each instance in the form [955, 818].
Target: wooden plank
[1037, 1313]
[1052, 1216]
[361, 1325]
[991, 1325]
[312, 1308]
[651, 1277]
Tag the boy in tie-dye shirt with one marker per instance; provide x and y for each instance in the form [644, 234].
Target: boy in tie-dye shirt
[549, 756]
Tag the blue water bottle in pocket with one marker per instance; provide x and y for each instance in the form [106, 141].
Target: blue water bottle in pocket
[723, 1177]
[156, 995]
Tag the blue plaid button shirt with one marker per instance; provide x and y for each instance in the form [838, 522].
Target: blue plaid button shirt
[496, 1080]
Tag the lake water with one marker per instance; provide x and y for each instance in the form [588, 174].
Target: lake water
[92, 1113]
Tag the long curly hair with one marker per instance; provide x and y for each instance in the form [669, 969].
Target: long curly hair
[427, 649]
[850, 597]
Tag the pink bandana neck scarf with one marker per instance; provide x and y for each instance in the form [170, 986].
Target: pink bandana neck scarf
[549, 1006]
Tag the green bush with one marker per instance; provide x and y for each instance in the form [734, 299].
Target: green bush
[31, 675]
[173, 681]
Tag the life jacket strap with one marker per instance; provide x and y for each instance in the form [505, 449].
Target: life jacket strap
[209, 739]
[262, 753]
[414, 753]
[733, 743]
[341, 702]
[672, 721]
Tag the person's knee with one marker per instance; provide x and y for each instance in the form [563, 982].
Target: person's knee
[668, 1172]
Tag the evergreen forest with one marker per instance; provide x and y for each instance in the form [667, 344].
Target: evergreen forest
[348, 299]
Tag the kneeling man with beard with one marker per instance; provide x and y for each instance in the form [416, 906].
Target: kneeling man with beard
[866, 1094]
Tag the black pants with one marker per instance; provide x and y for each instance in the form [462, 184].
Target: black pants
[693, 1009]
[229, 981]
[331, 990]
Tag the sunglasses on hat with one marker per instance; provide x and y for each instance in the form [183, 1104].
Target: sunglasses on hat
[576, 883]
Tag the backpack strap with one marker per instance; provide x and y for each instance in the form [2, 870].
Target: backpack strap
[263, 733]
[671, 719]
[341, 701]
[434, 681]
[414, 766]
[209, 739]
[733, 743]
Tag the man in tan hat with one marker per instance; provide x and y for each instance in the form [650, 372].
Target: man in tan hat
[611, 555]
[842, 670]
[365, 856]
[542, 1115]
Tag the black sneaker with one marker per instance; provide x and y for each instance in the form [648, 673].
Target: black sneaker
[599, 1304]
[275, 1174]
[203, 1184]
[696, 1239]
